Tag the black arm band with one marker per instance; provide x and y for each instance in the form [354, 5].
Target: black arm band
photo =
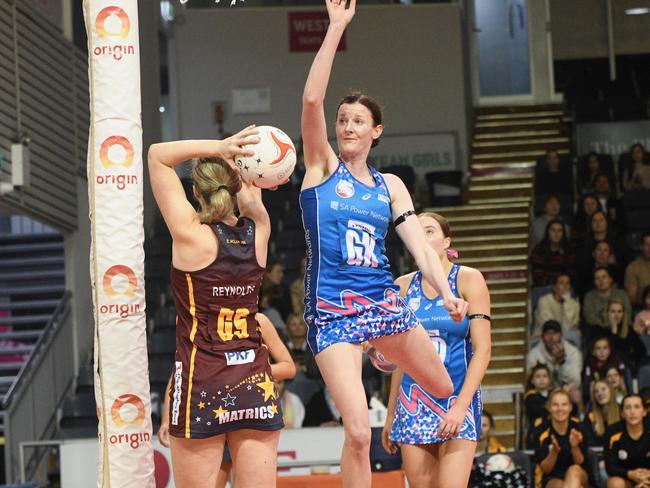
[479, 316]
[402, 217]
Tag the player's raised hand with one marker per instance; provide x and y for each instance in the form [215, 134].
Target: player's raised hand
[339, 12]
[457, 308]
[233, 146]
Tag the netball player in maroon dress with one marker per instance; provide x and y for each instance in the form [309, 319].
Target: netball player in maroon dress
[222, 384]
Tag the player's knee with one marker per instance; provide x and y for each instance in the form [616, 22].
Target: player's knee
[420, 480]
[358, 437]
[616, 482]
[574, 472]
[444, 388]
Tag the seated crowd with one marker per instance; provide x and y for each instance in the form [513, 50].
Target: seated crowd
[590, 326]
[589, 348]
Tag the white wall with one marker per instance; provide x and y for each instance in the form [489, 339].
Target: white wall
[410, 58]
[580, 28]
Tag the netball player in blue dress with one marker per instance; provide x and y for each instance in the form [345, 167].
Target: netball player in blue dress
[350, 297]
[438, 433]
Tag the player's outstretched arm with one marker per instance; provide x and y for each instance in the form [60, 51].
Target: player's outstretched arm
[163, 432]
[318, 152]
[179, 215]
[409, 230]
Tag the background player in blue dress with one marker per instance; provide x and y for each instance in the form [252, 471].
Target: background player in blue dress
[438, 434]
[350, 297]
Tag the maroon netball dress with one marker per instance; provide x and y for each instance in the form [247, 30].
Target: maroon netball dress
[222, 376]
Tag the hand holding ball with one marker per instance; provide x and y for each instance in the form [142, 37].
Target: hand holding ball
[273, 161]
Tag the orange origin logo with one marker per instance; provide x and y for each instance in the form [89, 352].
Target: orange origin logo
[120, 270]
[284, 147]
[104, 157]
[127, 399]
[105, 14]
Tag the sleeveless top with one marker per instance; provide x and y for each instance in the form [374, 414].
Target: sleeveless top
[216, 305]
[346, 222]
[452, 339]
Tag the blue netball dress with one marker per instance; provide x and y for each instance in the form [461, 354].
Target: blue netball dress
[349, 291]
[418, 414]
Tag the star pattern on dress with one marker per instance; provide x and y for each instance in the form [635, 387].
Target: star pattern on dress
[259, 161]
[229, 400]
[249, 380]
[249, 387]
[219, 411]
[274, 409]
[203, 394]
[268, 387]
[201, 405]
[198, 419]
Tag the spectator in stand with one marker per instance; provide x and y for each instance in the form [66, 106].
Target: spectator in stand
[274, 290]
[488, 444]
[642, 320]
[616, 380]
[600, 230]
[552, 256]
[560, 450]
[563, 359]
[601, 357]
[602, 257]
[637, 273]
[297, 290]
[536, 399]
[607, 198]
[592, 166]
[595, 303]
[559, 305]
[553, 177]
[587, 206]
[616, 325]
[637, 175]
[625, 341]
[552, 209]
[627, 450]
[603, 412]
[297, 338]
[293, 411]
[321, 411]
[273, 315]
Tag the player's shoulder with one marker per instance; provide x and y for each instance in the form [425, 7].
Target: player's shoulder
[405, 280]
[394, 182]
[468, 273]
[470, 279]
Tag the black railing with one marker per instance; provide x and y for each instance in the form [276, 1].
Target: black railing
[36, 356]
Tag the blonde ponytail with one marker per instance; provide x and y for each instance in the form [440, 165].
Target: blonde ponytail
[217, 183]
